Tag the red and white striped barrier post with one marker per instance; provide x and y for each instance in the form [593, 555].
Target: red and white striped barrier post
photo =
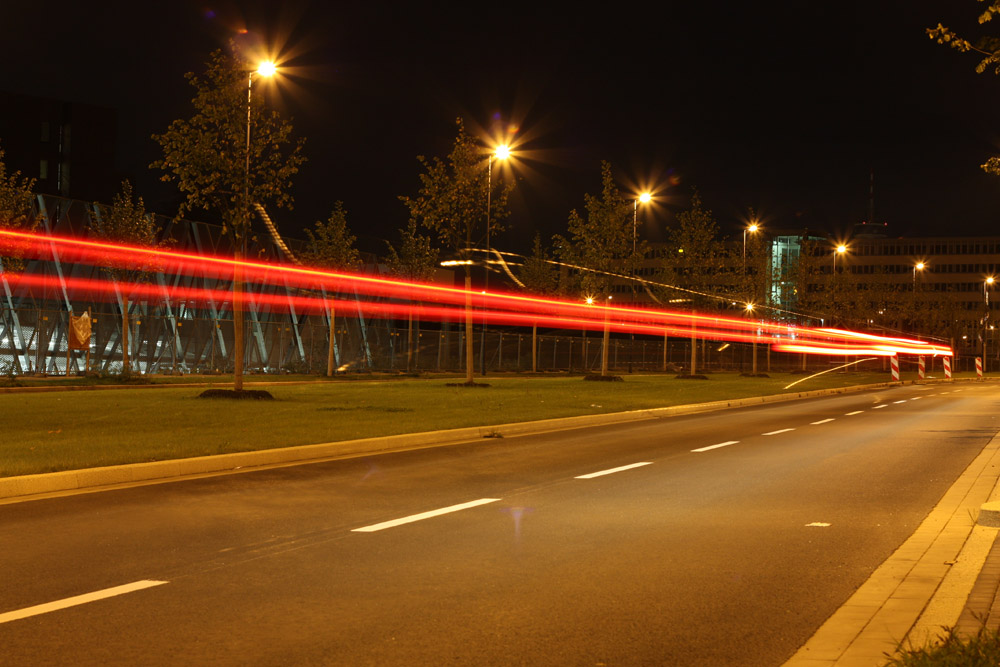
[947, 367]
[979, 368]
[921, 368]
[895, 368]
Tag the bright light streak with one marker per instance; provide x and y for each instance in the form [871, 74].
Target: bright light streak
[508, 308]
[828, 370]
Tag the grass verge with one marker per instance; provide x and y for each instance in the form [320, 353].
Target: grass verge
[953, 650]
[46, 432]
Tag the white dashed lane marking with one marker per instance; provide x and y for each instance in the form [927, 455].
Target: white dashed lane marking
[613, 470]
[902, 401]
[822, 421]
[423, 515]
[856, 412]
[721, 444]
[783, 430]
[879, 407]
[78, 600]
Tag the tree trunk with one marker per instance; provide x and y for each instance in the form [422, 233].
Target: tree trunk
[534, 348]
[468, 329]
[238, 323]
[125, 333]
[330, 358]
[694, 349]
[409, 341]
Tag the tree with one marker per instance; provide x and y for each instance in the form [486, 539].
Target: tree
[332, 246]
[127, 222]
[452, 202]
[601, 243]
[232, 153]
[17, 213]
[987, 47]
[415, 260]
[538, 277]
[694, 261]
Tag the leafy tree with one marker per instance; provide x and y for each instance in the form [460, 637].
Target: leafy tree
[415, 260]
[233, 152]
[601, 243]
[695, 260]
[17, 213]
[331, 246]
[538, 277]
[987, 47]
[127, 222]
[452, 202]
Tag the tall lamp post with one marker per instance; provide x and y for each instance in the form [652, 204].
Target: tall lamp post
[265, 69]
[919, 266]
[986, 318]
[501, 152]
[644, 198]
[752, 228]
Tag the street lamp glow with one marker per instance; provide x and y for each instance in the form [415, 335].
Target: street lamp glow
[267, 68]
[841, 249]
[749, 307]
[752, 228]
[502, 152]
[989, 281]
[645, 197]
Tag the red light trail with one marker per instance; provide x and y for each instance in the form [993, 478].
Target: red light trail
[436, 302]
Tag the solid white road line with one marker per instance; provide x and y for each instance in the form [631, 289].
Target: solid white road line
[879, 407]
[424, 515]
[784, 430]
[822, 421]
[721, 444]
[613, 470]
[77, 600]
[856, 412]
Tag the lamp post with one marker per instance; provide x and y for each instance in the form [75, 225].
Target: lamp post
[919, 266]
[645, 198]
[265, 69]
[840, 250]
[749, 312]
[501, 152]
[986, 318]
[752, 228]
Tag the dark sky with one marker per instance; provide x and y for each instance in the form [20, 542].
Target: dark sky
[785, 107]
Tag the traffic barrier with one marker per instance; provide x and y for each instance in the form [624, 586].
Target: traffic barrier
[921, 368]
[947, 367]
[979, 367]
[895, 368]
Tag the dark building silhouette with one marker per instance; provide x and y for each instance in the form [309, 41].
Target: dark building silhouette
[67, 146]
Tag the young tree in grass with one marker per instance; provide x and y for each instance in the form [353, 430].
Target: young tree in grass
[17, 213]
[454, 202]
[234, 152]
[601, 242]
[127, 222]
[331, 246]
[415, 260]
[539, 277]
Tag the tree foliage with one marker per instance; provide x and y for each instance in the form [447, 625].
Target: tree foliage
[206, 154]
[17, 212]
[987, 47]
[601, 241]
[453, 196]
[416, 258]
[124, 221]
[331, 243]
[537, 272]
[695, 258]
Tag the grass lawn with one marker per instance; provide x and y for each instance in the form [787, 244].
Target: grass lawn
[45, 432]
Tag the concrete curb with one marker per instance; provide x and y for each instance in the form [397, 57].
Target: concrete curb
[24, 486]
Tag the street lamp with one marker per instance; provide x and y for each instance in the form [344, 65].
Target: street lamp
[840, 250]
[501, 152]
[749, 311]
[919, 266]
[265, 69]
[752, 228]
[645, 198]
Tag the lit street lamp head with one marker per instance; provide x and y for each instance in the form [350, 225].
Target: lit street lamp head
[267, 68]
[841, 249]
[645, 197]
[502, 152]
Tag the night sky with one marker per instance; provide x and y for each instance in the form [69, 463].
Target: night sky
[785, 107]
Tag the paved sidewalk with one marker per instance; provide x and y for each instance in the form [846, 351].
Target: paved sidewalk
[946, 574]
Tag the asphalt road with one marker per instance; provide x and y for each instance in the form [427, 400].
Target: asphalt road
[732, 555]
